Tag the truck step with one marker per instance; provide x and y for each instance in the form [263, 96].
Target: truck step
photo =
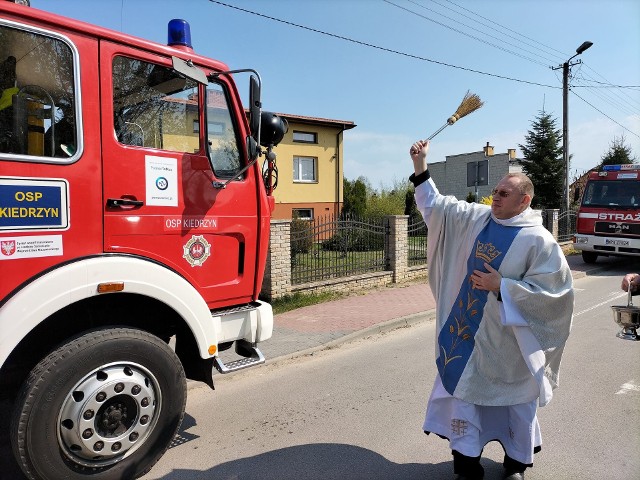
[250, 356]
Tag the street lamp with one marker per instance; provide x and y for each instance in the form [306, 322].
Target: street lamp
[565, 115]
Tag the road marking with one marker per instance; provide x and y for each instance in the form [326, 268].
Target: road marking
[628, 387]
[614, 296]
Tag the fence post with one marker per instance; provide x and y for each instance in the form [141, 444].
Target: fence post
[277, 274]
[396, 245]
[551, 221]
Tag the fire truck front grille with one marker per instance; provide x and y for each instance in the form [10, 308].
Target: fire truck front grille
[618, 228]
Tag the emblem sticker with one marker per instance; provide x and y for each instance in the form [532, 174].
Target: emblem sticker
[196, 250]
[12, 248]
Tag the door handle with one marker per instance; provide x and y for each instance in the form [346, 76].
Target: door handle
[123, 203]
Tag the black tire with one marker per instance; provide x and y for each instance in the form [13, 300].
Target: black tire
[589, 257]
[95, 385]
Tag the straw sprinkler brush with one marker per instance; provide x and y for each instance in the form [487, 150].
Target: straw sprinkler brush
[470, 103]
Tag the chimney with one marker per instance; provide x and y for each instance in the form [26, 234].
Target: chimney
[488, 150]
[512, 153]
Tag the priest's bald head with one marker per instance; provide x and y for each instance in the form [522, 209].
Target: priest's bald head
[512, 196]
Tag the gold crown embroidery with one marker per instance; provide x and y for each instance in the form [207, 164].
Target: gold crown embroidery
[486, 251]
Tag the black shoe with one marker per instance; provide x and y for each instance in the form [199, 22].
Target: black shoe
[510, 475]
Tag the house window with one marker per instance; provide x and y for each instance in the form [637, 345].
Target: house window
[305, 137]
[304, 169]
[196, 126]
[303, 213]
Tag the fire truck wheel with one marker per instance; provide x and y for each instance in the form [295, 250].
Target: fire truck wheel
[104, 406]
[589, 257]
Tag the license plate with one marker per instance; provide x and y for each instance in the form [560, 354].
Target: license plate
[622, 243]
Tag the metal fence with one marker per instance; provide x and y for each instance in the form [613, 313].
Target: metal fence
[566, 225]
[417, 242]
[329, 247]
[336, 246]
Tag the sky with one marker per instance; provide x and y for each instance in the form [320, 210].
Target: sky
[399, 68]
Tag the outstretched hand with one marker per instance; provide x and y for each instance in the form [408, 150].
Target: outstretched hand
[489, 280]
[418, 152]
[419, 149]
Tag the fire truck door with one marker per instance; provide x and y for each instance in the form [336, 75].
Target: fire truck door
[159, 201]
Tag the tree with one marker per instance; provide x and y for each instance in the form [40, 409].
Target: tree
[410, 207]
[543, 161]
[355, 197]
[618, 154]
[387, 202]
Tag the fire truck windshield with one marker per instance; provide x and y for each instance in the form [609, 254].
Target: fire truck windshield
[610, 193]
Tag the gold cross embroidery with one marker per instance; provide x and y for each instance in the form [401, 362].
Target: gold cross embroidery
[458, 427]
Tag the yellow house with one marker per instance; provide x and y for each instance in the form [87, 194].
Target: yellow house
[310, 167]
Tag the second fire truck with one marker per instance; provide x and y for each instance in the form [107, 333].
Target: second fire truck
[608, 219]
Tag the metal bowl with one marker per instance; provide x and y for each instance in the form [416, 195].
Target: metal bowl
[628, 317]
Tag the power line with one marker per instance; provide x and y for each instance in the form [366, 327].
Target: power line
[631, 132]
[492, 27]
[462, 32]
[560, 56]
[389, 50]
[621, 103]
[622, 92]
[609, 85]
[612, 96]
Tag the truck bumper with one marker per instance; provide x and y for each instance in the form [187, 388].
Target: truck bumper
[252, 323]
[607, 245]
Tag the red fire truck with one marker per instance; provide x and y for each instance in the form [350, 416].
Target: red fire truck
[608, 220]
[134, 225]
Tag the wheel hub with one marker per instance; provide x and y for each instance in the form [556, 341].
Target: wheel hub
[108, 414]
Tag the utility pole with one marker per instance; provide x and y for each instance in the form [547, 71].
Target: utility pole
[565, 116]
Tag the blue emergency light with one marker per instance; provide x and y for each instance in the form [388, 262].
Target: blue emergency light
[179, 33]
[615, 168]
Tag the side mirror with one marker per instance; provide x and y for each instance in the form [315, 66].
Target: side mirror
[576, 194]
[252, 148]
[254, 107]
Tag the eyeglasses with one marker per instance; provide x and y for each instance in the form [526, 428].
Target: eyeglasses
[503, 193]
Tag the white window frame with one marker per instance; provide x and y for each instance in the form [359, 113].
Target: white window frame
[305, 137]
[295, 211]
[297, 176]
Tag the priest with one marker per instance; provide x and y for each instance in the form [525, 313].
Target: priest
[504, 306]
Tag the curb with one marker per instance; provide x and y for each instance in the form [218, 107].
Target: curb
[379, 328]
[383, 327]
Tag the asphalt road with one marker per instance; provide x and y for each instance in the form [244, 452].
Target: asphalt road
[355, 411]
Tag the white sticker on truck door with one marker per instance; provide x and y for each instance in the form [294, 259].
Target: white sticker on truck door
[161, 179]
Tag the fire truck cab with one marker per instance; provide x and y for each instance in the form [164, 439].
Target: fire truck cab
[134, 227]
[608, 220]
